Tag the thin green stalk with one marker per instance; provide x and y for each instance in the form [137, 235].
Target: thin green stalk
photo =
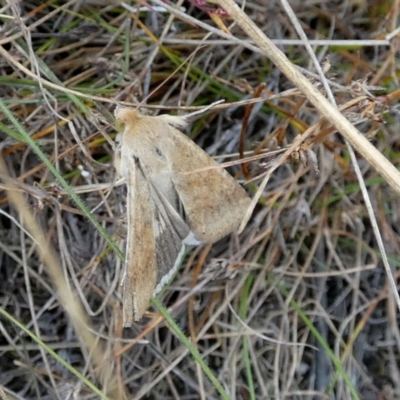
[35, 147]
[196, 355]
[54, 354]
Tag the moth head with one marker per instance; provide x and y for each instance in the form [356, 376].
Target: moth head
[125, 117]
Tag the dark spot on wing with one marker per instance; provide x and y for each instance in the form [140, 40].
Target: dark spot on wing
[159, 154]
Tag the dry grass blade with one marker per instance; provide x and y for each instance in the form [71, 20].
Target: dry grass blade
[360, 143]
[67, 298]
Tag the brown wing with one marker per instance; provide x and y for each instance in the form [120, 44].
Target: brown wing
[214, 202]
[170, 228]
[155, 244]
[170, 243]
[141, 261]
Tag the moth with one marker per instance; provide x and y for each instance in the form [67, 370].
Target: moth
[173, 200]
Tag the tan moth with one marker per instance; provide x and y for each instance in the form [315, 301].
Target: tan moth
[173, 200]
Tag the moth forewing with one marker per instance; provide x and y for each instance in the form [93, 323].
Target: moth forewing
[214, 202]
[141, 260]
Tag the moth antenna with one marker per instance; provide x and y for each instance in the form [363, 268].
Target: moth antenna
[179, 122]
[182, 122]
[203, 110]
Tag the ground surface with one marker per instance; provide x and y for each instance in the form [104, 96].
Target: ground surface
[299, 305]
